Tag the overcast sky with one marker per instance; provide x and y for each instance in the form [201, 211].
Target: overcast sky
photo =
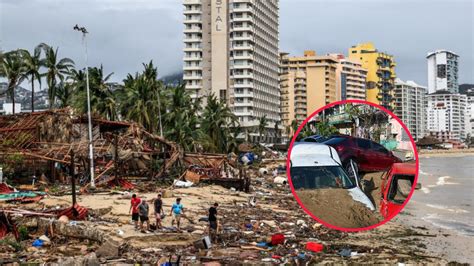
[125, 33]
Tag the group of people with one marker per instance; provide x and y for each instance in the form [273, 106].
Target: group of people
[139, 210]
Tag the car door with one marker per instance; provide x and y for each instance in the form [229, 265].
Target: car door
[382, 157]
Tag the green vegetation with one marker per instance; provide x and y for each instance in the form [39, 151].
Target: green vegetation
[143, 98]
[23, 233]
[11, 242]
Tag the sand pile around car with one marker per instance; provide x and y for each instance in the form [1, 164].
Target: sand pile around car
[336, 207]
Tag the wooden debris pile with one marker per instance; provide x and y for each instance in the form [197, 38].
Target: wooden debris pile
[56, 141]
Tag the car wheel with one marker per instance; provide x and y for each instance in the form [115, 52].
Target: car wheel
[404, 187]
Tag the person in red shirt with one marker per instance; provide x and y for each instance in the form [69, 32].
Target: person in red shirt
[134, 209]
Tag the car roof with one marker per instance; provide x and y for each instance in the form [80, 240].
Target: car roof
[311, 160]
[404, 168]
[314, 154]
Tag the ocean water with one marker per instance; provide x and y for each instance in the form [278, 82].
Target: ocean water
[446, 199]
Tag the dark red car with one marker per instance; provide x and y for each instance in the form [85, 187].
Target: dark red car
[396, 185]
[367, 155]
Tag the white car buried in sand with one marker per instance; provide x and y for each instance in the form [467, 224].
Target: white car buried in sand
[317, 166]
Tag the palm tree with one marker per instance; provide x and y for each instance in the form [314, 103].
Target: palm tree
[139, 98]
[13, 70]
[33, 63]
[2, 72]
[217, 122]
[181, 120]
[56, 69]
[262, 124]
[277, 131]
[102, 99]
[64, 94]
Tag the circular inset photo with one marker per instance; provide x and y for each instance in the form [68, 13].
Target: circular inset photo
[352, 165]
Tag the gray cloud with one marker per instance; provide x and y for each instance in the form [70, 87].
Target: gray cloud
[125, 33]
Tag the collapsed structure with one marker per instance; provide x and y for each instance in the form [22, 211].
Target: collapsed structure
[54, 144]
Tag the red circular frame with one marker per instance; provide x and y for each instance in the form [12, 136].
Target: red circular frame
[291, 148]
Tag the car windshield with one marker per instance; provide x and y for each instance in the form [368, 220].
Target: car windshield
[314, 177]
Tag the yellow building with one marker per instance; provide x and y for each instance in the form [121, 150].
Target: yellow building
[307, 83]
[380, 73]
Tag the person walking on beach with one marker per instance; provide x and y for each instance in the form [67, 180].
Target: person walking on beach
[158, 206]
[134, 202]
[143, 210]
[213, 225]
[177, 210]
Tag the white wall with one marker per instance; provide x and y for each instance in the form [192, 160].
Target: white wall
[8, 108]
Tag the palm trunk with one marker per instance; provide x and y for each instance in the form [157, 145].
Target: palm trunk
[13, 101]
[32, 93]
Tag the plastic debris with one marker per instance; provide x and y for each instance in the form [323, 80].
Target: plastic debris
[38, 243]
[280, 180]
[277, 239]
[182, 184]
[346, 252]
[315, 247]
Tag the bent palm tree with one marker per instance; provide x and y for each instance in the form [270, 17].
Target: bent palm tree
[102, 98]
[33, 63]
[56, 69]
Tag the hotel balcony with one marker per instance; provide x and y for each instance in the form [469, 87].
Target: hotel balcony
[192, 49]
[193, 30]
[199, 67]
[192, 11]
[194, 39]
[192, 21]
[242, 76]
[241, 9]
[243, 85]
[193, 87]
[242, 28]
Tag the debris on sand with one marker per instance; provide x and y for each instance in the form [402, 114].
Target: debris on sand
[338, 208]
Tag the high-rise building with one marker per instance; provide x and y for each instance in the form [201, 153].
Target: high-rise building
[307, 83]
[446, 115]
[410, 104]
[231, 51]
[351, 78]
[380, 73]
[442, 71]
[469, 120]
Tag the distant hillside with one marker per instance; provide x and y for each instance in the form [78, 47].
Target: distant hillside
[466, 88]
[173, 79]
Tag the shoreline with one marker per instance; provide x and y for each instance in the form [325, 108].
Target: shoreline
[443, 243]
[445, 153]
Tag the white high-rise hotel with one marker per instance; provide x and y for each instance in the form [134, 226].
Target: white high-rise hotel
[410, 105]
[446, 107]
[443, 71]
[231, 51]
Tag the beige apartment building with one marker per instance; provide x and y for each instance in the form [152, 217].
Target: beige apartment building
[307, 83]
[312, 81]
[231, 51]
[351, 78]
